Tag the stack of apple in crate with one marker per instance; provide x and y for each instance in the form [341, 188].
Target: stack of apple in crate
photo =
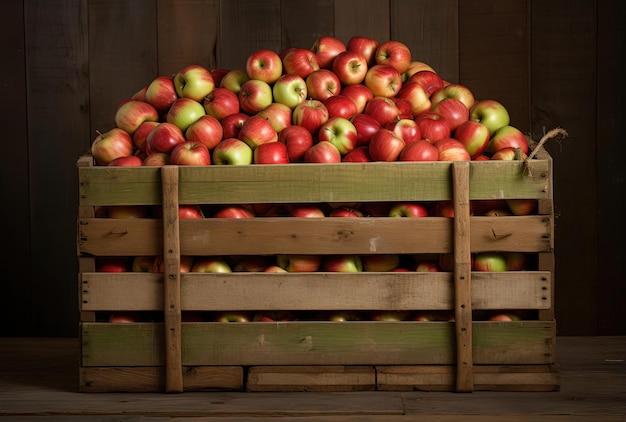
[346, 193]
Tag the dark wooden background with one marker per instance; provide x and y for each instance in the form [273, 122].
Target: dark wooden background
[68, 63]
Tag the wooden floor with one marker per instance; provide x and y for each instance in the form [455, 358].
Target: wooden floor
[39, 382]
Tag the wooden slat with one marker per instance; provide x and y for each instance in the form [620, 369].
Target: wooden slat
[367, 18]
[497, 31]
[262, 21]
[462, 277]
[143, 237]
[318, 343]
[151, 379]
[314, 291]
[123, 44]
[313, 183]
[171, 282]
[196, 44]
[57, 104]
[311, 378]
[302, 22]
[431, 30]
[486, 378]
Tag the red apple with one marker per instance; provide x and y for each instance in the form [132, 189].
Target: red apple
[113, 264]
[157, 159]
[327, 48]
[350, 66]
[256, 130]
[300, 61]
[305, 211]
[123, 317]
[345, 212]
[290, 89]
[383, 80]
[131, 114]
[508, 153]
[420, 150]
[364, 45]
[110, 145]
[254, 96]
[131, 160]
[297, 139]
[366, 126]
[433, 126]
[264, 65]
[453, 110]
[408, 209]
[417, 66]
[383, 109]
[207, 130]
[516, 261]
[161, 93]
[415, 94]
[452, 150]
[127, 211]
[322, 152]
[426, 266]
[249, 263]
[310, 114]
[234, 211]
[348, 263]
[278, 115]
[220, 103]
[358, 93]
[232, 151]
[141, 134]
[271, 153]
[386, 146]
[474, 136]
[340, 132]
[407, 129]
[394, 53]
[507, 136]
[491, 113]
[190, 153]
[428, 79]
[340, 106]
[457, 91]
[234, 80]
[489, 261]
[299, 263]
[142, 264]
[187, 211]
[522, 206]
[164, 137]
[380, 263]
[360, 154]
[184, 112]
[194, 82]
[211, 264]
[217, 75]
[322, 83]
[504, 317]
[232, 124]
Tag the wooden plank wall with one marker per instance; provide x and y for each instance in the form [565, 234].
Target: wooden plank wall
[74, 61]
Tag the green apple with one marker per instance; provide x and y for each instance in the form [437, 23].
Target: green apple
[491, 113]
[232, 151]
[194, 81]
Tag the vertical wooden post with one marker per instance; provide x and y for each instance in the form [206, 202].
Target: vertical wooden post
[171, 281]
[462, 276]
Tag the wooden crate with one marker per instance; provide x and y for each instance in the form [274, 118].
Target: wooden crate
[465, 354]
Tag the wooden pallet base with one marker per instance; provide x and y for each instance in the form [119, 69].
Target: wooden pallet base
[321, 378]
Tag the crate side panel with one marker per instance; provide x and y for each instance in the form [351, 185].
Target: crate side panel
[104, 185]
[315, 183]
[286, 235]
[151, 379]
[311, 378]
[120, 237]
[515, 179]
[318, 343]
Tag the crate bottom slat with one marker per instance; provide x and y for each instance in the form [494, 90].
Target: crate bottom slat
[151, 379]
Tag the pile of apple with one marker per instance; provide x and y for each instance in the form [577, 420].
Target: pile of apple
[334, 102]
